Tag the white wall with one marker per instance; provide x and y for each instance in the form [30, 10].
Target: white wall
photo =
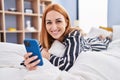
[92, 13]
[113, 12]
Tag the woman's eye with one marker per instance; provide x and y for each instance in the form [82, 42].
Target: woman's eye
[48, 22]
[58, 21]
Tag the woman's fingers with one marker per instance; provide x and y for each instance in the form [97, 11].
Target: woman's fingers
[28, 60]
[33, 66]
[26, 56]
[101, 37]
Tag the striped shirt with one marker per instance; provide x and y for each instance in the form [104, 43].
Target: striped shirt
[75, 44]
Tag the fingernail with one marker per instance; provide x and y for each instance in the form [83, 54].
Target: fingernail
[30, 53]
[35, 57]
[39, 60]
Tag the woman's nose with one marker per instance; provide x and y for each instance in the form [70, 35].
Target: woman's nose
[54, 26]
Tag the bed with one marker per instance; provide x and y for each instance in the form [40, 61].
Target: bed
[89, 65]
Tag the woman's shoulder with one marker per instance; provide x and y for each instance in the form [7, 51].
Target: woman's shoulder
[74, 32]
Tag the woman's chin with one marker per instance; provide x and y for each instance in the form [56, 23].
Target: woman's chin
[56, 37]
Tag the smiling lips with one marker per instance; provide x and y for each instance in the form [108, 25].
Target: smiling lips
[55, 32]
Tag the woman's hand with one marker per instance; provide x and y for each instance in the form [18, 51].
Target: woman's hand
[45, 53]
[102, 37]
[28, 60]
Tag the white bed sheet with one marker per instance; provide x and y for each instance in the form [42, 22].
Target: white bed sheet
[12, 73]
[103, 65]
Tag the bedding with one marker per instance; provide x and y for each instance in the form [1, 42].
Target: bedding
[11, 56]
[88, 66]
[116, 32]
[95, 32]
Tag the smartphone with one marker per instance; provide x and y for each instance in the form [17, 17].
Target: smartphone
[32, 45]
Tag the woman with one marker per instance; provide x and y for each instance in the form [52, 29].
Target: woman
[56, 26]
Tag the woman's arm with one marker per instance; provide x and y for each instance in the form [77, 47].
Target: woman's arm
[72, 43]
[98, 43]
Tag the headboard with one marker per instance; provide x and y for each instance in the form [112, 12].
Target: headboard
[106, 28]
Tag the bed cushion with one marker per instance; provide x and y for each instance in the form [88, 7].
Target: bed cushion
[11, 55]
[57, 48]
[95, 32]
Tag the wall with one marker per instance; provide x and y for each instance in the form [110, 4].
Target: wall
[113, 10]
[92, 15]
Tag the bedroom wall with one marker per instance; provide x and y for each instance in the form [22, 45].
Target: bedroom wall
[113, 10]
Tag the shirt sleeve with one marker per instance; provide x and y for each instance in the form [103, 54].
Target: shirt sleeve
[97, 44]
[40, 47]
[71, 53]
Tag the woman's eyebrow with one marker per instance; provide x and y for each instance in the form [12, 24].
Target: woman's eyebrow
[55, 19]
[48, 20]
[58, 18]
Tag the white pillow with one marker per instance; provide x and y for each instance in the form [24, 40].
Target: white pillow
[116, 32]
[57, 48]
[95, 32]
[16, 48]
[114, 46]
[11, 54]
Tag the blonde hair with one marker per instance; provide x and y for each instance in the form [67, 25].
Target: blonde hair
[45, 39]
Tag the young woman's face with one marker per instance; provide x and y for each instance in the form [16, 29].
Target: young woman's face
[55, 24]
